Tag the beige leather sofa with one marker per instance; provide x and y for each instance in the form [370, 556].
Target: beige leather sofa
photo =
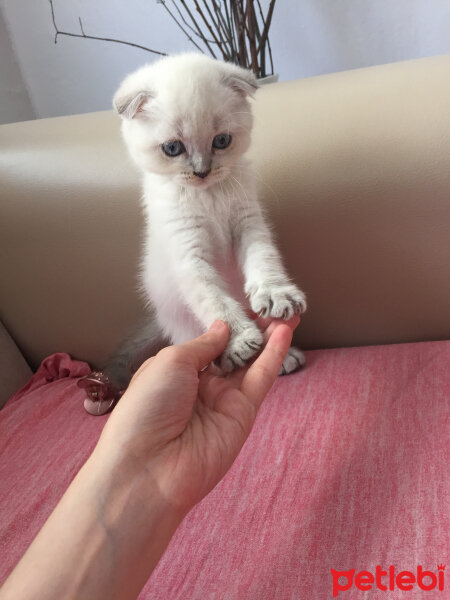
[354, 168]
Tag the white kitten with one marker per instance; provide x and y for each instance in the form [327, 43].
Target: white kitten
[209, 253]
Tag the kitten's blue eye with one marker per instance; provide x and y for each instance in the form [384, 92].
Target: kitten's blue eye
[173, 148]
[222, 141]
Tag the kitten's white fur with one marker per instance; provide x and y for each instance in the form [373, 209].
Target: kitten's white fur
[208, 250]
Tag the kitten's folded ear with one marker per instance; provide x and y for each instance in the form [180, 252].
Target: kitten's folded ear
[130, 105]
[241, 80]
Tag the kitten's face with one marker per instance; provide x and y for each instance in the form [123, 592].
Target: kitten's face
[187, 118]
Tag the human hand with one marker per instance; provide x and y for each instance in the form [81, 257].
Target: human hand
[182, 423]
[174, 434]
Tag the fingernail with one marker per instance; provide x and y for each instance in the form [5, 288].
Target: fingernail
[217, 325]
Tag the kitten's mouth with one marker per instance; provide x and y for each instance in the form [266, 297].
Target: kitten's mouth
[200, 183]
[215, 176]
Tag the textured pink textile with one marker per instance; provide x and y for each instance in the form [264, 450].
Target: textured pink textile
[346, 468]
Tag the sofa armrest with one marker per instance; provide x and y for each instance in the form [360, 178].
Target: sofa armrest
[14, 371]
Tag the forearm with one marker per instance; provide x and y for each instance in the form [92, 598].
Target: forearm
[102, 541]
[206, 295]
[258, 255]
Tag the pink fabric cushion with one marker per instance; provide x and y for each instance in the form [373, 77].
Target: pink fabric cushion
[346, 468]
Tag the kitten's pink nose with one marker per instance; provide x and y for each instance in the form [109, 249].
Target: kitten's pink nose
[202, 174]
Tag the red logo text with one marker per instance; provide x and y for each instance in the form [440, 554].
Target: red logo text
[388, 580]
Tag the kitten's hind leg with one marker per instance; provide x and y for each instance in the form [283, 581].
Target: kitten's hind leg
[295, 359]
[104, 388]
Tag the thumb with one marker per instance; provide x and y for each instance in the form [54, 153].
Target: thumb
[204, 349]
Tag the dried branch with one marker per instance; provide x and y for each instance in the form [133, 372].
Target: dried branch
[250, 19]
[94, 37]
[231, 30]
[163, 2]
[199, 33]
[211, 30]
[223, 25]
[269, 47]
[239, 25]
[222, 31]
[265, 32]
[233, 27]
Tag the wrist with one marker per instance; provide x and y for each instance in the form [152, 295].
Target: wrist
[126, 483]
[135, 521]
[103, 539]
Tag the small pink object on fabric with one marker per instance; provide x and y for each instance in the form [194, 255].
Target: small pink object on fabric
[346, 468]
[101, 395]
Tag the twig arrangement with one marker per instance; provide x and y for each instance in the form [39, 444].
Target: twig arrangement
[236, 30]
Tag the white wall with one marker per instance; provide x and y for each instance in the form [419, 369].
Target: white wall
[309, 37]
[15, 104]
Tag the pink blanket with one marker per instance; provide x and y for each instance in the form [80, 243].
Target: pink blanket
[346, 469]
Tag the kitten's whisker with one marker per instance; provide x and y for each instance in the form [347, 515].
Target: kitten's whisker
[225, 196]
[253, 170]
[243, 190]
[230, 191]
[239, 113]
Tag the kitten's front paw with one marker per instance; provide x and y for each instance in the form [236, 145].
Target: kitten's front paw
[241, 348]
[278, 301]
[295, 359]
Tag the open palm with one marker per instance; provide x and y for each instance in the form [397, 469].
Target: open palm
[188, 422]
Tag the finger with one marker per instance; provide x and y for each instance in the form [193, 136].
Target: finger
[199, 352]
[260, 376]
[204, 349]
[269, 324]
[143, 367]
[236, 377]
